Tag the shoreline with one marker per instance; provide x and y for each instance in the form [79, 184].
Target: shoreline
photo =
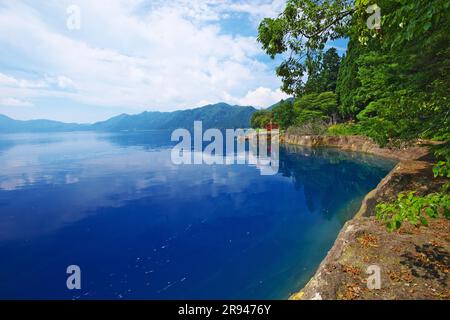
[342, 272]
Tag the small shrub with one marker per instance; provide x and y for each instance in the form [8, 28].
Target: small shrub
[442, 169]
[315, 127]
[414, 209]
[344, 129]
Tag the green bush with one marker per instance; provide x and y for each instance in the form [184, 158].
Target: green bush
[313, 127]
[344, 129]
[442, 169]
[260, 119]
[442, 154]
[307, 116]
[283, 114]
[325, 103]
[414, 209]
[410, 207]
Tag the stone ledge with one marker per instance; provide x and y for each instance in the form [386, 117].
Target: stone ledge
[360, 144]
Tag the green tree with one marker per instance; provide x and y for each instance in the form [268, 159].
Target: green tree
[403, 71]
[330, 70]
[320, 106]
[283, 114]
[302, 30]
[260, 118]
[394, 79]
[323, 73]
[348, 82]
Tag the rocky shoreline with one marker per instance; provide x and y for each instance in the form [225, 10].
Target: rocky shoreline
[359, 144]
[413, 261]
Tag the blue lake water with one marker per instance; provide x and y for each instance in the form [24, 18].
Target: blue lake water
[141, 227]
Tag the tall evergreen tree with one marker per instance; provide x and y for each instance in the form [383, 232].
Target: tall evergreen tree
[330, 70]
[323, 72]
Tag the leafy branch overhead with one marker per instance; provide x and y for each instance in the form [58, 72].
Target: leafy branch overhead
[302, 31]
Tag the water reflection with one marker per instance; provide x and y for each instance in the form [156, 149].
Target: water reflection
[329, 177]
[96, 174]
[142, 227]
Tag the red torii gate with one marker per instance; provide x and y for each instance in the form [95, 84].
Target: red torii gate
[271, 126]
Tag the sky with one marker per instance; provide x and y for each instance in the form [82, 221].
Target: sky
[85, 61]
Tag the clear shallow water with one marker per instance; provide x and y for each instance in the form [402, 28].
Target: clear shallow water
[142, 228]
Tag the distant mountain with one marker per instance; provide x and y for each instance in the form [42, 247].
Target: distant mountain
[8, 125]
[219, 116]
[278, 103]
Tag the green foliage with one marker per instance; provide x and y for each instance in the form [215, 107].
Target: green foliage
[303, 29]
[405, 22]
[393, 80]
[325, 102]
[271, 34]
[348, 82]
[260, 118]
[315, 126]
[329, 71]
[410, 207]
[442, 169]
[305, 116]
[283, 114]
[316, 106]
[344, 129]
[414, 209]
[323, 73]
[442, 153]
[402, 74]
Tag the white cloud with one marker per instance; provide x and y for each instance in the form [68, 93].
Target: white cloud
[64, 82]
[262, 97]
[259, 10]
[140, 54]
[13, 102]
[214, 10]
[10, 81]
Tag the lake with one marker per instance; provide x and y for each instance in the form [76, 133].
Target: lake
[141, 227]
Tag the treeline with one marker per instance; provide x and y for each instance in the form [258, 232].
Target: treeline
[317, 106]
[392, 84]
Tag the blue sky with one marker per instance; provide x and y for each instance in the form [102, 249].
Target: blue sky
[134, 55]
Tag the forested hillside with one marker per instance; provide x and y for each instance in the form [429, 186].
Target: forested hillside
[220, 115]
[392, 83]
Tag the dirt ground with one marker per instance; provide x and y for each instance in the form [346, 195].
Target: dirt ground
[414, 263]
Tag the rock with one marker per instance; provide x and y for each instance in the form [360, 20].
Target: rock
[360, 144]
